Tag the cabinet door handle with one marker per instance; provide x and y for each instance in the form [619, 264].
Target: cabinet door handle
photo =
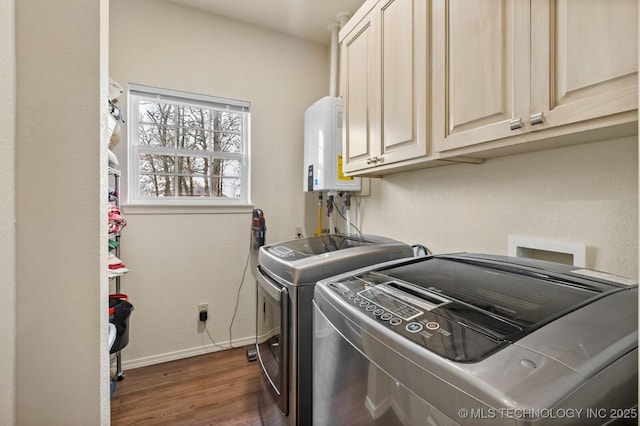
[537, 119]
[516, 123]
[372, 160]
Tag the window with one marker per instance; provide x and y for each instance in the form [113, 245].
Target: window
[186, 148]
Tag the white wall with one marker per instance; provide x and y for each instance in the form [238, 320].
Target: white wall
[180, 260]
[584, 194]
[7, 211]
[61, 236]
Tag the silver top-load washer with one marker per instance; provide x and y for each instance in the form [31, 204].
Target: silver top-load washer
[475, 339]
[287, 274]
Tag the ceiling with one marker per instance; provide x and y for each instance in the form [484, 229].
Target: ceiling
[307, 19]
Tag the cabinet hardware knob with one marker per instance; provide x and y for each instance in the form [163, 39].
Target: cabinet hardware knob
[537, 119]
[516, 123]
[372, 160]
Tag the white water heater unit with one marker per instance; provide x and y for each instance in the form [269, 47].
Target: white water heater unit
[323, 148]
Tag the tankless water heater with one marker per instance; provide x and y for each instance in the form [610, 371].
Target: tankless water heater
[323, 148]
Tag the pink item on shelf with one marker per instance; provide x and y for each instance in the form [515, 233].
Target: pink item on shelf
[116, 221]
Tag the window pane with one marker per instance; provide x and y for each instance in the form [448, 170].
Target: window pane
[225, 142]
[193, 186]
[226, 168]
[193, 165]
[157, 113]
[192, 138]
[153, 135]
[156, 185]
[157, 164]
[226, 121]
[193, 117]
[227, 187]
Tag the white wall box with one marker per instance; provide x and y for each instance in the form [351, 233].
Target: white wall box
[556, 251]
[323, 160]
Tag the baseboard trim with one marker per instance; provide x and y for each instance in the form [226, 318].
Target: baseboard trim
[184, 353]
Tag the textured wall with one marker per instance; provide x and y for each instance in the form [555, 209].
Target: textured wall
[584, 194]
[7, 210]
[61, 316]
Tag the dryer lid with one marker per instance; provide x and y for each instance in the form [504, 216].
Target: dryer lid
[312, 246]
[307, 260]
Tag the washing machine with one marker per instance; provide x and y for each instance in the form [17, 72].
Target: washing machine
[287, 274]
[468, 339]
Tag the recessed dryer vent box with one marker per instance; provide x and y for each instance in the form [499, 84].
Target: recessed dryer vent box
[554, 251]
[323, 148]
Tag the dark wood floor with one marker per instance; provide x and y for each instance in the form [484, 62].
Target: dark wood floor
[220, 388]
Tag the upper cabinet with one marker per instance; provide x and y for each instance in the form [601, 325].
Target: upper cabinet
[584, 60]
[480, 74]
[357, 69]
[504, 68]
[385, 75]
[432, 82]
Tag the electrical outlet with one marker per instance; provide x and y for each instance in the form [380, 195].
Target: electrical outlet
[203, 312]
[298, 231]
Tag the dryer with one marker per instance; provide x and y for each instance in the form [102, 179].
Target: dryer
[287, 274]
[475, 339]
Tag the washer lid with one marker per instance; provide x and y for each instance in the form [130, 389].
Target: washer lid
[466, 307]
[520, 296]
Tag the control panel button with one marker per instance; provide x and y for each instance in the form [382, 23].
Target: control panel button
[432, 325]
[364, 303]
[371, 308]
[357, 300]
[414, 327]
[346, 292]
[378, 312]
[395, 321]
[386, 317]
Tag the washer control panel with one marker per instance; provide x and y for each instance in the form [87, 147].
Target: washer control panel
[427, 319]
[387, 302]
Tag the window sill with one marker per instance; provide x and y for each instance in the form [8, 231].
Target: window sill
[172, 209]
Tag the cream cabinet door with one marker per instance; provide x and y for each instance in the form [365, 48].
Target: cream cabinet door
[584, 60]
[507, 67]
[385, 85]
[480, 70]
[358, 84]
[403, 71]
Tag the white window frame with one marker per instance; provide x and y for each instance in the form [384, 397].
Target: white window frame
[136, 93]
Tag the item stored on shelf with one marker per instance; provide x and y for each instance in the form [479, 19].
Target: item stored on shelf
[119, 311]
